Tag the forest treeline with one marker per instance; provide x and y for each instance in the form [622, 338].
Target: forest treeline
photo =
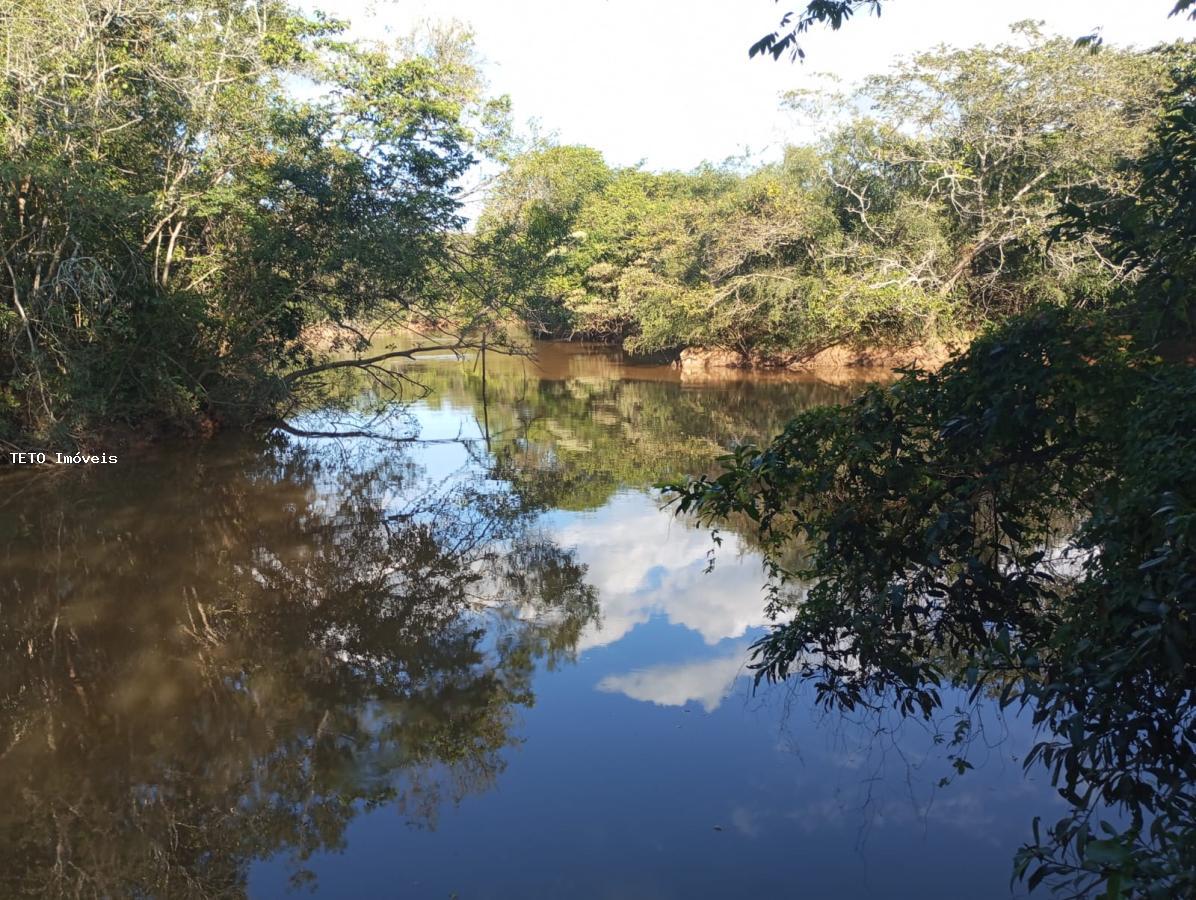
[1021, 523]
[188, 184]
[937, 207]
[188, 187]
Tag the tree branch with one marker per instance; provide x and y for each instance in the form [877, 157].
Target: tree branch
[456, 349]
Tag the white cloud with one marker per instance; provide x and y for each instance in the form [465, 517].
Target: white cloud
[706, 681]
[645, 562]
[671, 83]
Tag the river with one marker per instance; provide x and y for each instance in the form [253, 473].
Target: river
[481, 664]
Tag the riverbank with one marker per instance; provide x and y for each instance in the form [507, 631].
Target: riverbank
[830, 360]
[355, 339]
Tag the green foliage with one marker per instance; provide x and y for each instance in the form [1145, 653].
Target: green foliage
[187, 186]
[927, 218]
[993, 140]
[1151, 231]
[832, 13]
[1020, 522]
[530, 221]
[835, 14]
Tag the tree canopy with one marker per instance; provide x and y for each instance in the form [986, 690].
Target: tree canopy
[1019, 523]
[835, 14]
[188, 185]
[932, 210]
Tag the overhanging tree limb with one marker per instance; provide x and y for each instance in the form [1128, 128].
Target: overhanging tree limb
[411, 353]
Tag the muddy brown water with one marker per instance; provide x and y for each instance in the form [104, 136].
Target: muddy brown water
[481, 664]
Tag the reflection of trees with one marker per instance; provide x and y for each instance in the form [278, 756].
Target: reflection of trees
[574, 431]
[211, 660]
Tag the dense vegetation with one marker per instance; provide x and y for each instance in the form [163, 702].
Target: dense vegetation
[1021, 523]
[190, 187]
[187, 185]
[931, 212]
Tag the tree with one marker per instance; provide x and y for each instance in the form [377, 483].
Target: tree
[988, 144]
[529, 223]
[836, 13]
[1149, 230]
[919, 222]
[188, 186]
[1019, 523]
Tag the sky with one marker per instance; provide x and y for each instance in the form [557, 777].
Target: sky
[668, 83]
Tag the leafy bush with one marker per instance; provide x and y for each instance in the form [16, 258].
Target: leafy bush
[934, 214]
[1021, 522]
[187, 185]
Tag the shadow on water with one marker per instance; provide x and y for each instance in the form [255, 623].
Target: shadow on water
[224, 669]
[224, 655]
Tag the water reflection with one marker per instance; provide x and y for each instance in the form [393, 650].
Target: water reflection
[707, 681]
[246, 668]
[646, 564]
[230, 655]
